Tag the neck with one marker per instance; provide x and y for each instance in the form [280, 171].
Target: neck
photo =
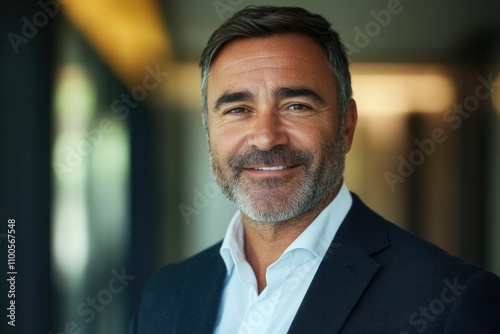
[265, 242]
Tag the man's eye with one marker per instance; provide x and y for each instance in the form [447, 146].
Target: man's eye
[298, 107]
[236, 111]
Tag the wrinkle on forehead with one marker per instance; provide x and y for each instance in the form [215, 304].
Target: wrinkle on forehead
[247, 64]
[270, 51]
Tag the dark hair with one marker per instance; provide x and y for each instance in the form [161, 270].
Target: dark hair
[263, 21]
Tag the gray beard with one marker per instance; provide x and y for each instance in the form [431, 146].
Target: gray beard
[316, 185]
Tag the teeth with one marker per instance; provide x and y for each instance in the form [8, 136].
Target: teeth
[271, 168]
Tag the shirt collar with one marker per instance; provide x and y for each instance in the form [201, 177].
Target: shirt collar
[232, 251]
[316, 238]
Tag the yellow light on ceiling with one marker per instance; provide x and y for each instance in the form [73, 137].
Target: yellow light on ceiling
[130, 35]
[401, 88]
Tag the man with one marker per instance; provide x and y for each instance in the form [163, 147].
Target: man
[302, 254]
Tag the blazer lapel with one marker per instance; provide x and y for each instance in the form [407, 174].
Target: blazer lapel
[344, 273]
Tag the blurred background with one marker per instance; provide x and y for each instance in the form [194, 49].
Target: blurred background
[104, 159]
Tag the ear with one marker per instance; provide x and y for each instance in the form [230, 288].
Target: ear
[350, 121]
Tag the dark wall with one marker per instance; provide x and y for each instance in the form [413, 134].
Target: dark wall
[25, 185]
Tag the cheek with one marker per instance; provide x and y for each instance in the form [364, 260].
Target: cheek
[224, 143]
[313, 137]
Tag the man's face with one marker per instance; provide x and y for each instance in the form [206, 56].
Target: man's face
[276, 145]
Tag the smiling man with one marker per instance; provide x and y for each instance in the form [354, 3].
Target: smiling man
[302, 254]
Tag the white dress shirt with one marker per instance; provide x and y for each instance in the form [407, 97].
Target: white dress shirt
[242, 309]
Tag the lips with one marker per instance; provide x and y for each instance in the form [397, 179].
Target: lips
[278, 160]
[270, 168]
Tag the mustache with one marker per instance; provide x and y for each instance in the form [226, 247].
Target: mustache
[282, 155]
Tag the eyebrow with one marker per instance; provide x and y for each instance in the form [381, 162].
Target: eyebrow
[278, 93]
[233, 97]
[287, 92]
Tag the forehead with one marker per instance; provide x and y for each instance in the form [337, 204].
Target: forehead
[296, 59]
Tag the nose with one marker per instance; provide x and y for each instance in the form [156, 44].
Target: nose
[267, 130]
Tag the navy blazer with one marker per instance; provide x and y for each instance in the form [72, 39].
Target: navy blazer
[375, 278]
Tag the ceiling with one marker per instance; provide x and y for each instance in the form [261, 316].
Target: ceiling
[419, 30]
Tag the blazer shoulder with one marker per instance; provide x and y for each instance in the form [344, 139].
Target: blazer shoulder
[392, 244]
[175, 274]
[418, 285]
[420, 253]
[180, 295]
[478, 306]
